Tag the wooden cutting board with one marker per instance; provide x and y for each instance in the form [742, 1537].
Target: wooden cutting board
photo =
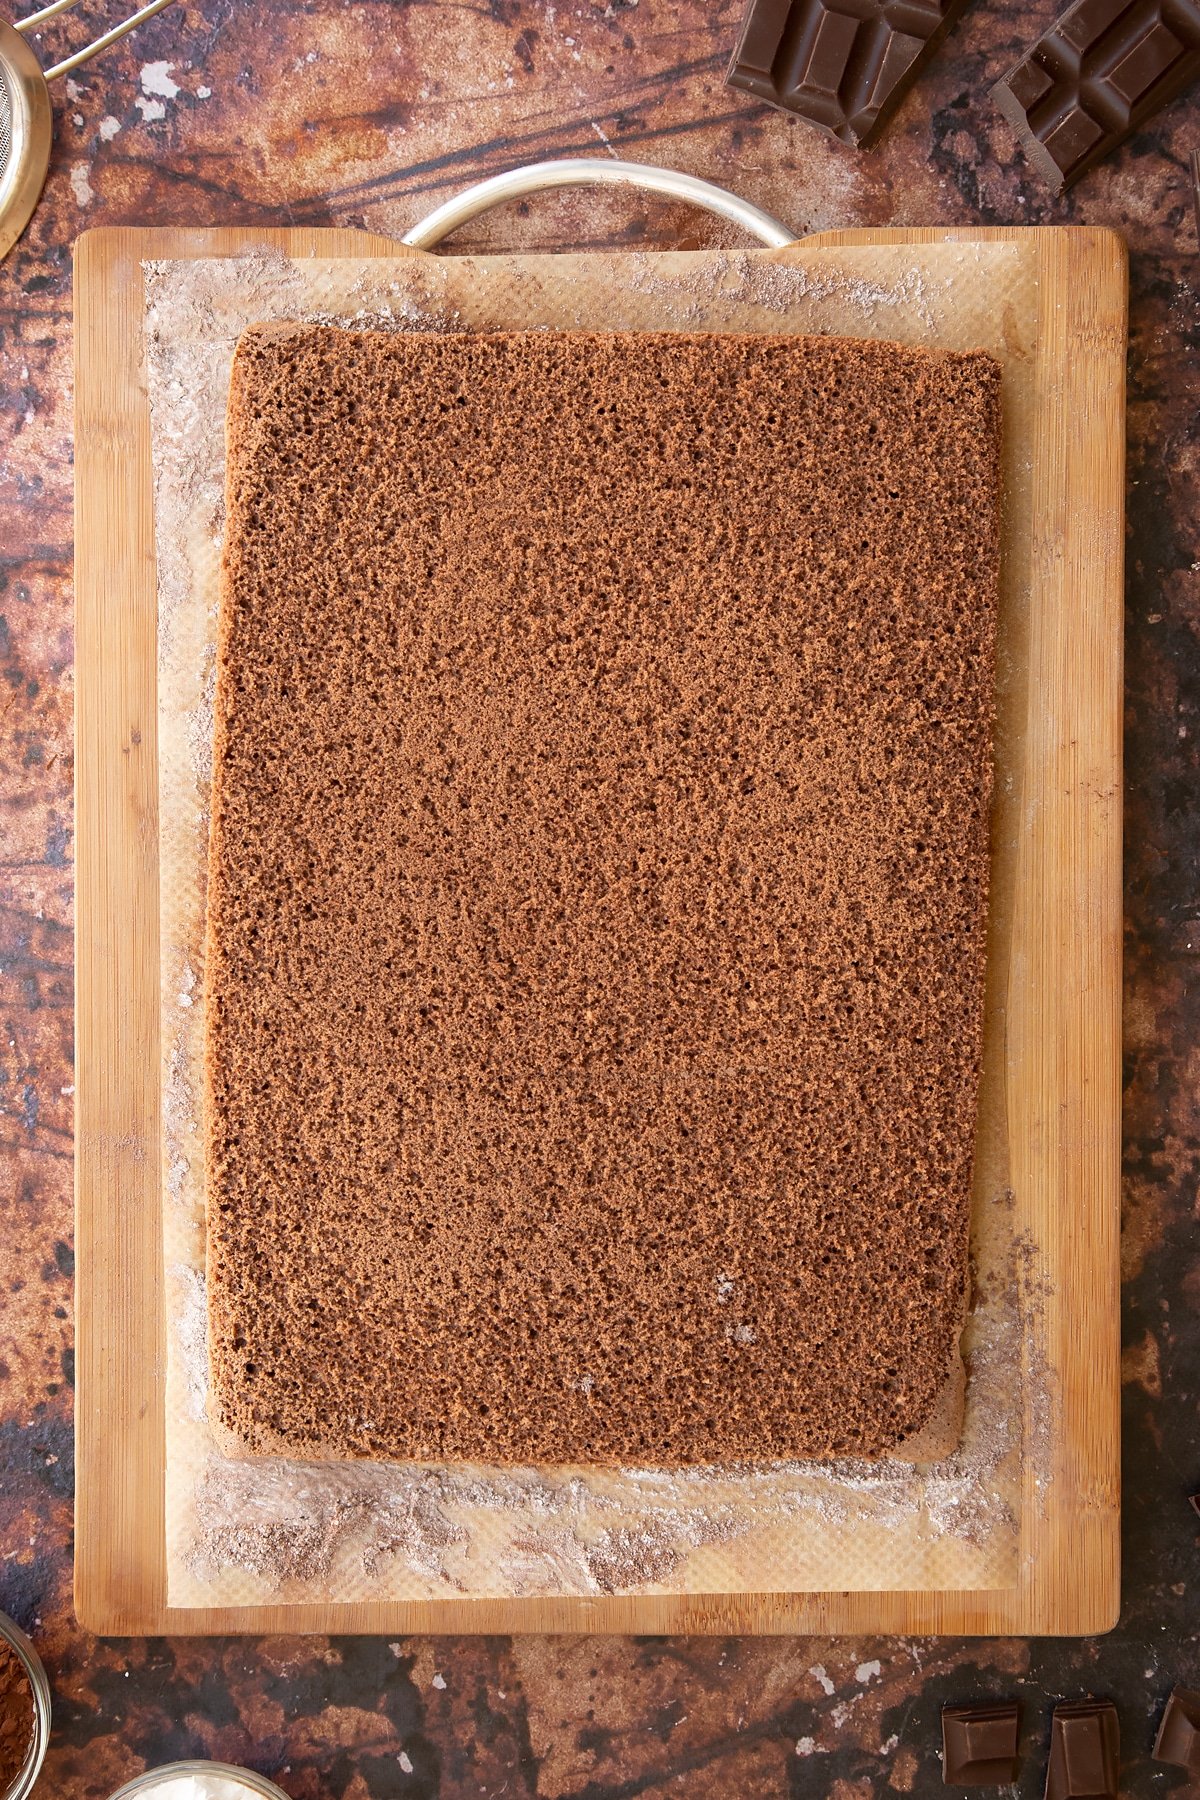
[1063, 1005]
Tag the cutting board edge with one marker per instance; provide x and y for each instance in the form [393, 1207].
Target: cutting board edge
[120, 1589]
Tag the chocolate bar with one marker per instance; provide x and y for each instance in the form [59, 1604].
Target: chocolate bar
[979, 1744]
[1085, 1752]
[837, 63]
[1102, 69]
[1178, 1739]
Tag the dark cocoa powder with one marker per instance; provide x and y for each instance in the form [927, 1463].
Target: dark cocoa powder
[16, 1716]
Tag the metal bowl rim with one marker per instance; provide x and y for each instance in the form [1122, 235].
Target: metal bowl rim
[149, 1778]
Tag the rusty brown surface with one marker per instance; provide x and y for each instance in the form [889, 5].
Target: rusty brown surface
[369, 114]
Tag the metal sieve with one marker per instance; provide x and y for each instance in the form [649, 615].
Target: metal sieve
[26, 120]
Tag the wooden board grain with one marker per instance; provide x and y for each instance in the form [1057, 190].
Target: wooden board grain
[1063, 1014]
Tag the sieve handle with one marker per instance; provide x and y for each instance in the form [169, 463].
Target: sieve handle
[587, 171]
[35, 20]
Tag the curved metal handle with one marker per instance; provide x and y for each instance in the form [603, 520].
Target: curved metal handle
[587, 171]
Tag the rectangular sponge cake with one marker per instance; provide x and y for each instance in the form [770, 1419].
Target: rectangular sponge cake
[598, 893]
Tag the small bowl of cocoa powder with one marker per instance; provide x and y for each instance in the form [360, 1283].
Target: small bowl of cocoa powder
[24, 1712]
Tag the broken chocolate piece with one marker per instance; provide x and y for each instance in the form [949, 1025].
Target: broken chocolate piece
[1102, 69]
[1194, 164]
[839, 64]
[1178, 1739]
[979, 1744]
[1085, 1752]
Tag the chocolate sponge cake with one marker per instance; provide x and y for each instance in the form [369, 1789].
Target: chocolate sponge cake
[598, 891]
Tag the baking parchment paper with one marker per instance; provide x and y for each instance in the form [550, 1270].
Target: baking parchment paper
[243, 1531]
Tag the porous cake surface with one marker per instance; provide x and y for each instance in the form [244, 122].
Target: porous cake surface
[597, 894]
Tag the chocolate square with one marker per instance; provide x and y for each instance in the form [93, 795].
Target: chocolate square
[1099, 72]
[1085, 1752]
[1178, 1739]
[840, 64]
[979, 1744]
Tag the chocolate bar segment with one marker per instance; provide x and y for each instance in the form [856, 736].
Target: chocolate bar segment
[1103, 68]
[1085, 1752]
[979, 1744]
[841, 64]
[1178, 1739]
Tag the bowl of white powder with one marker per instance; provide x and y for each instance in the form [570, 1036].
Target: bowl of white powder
[200, 1781]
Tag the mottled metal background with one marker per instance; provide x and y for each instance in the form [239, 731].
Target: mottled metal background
[367, 114]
